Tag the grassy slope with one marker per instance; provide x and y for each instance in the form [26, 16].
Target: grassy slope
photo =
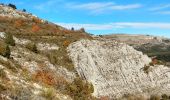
[38, 31]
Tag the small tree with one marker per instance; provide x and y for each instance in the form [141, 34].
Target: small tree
[24, 10]
[12, 6]
[72, 28]
[9, 39]
[7, 52]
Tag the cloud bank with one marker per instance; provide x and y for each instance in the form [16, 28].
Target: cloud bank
[102, 6]
[111, 26]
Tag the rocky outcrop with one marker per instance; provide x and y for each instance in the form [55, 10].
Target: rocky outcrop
[10, 12]
[116, 69]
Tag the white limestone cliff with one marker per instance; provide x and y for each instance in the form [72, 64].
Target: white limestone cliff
[116, 69]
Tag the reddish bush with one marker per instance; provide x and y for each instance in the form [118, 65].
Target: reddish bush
[18, 23]
[35, 28]
[104, 98]
[66, 43]
[49, 78]
[45, 77]
[36, 20]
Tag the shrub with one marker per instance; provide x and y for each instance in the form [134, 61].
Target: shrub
[7, 52]
[82, 30]
[80, 89]
[24, 10]
[18, 23]
[72, 28]
[66, 43]
[2, 73]
[32, 47]
[36, 20]
[35, 28]
[48, 93]
[45, 77]
[2, 48]
[12, 6]
[9, 39]
[146, 69]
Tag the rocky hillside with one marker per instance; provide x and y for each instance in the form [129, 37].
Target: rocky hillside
[40, 60]
[33, 59]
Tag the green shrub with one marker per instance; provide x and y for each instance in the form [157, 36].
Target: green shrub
[2, 73]
[7, 52]
[146, 69]
[32, 47]
[2, 48]
[12, 6]
[48, 93]
[80, 90]
[9, 39]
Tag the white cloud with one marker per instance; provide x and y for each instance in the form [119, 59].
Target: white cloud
[111, 26]
[87, 26]
[164, 12]
[125, 7]
[143, 25]
[160, 7]
[92, 6]
[102, 6]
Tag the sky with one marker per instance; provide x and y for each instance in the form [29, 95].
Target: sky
[151, 17]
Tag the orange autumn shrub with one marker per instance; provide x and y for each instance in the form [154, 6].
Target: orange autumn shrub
[35, 28]
[36, 20]
[45, 77]
[66, 43]
[49, 78]
[18, 23]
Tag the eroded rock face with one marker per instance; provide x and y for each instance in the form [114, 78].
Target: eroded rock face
[116, 69]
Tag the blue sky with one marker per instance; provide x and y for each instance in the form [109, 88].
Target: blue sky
[104, 16]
